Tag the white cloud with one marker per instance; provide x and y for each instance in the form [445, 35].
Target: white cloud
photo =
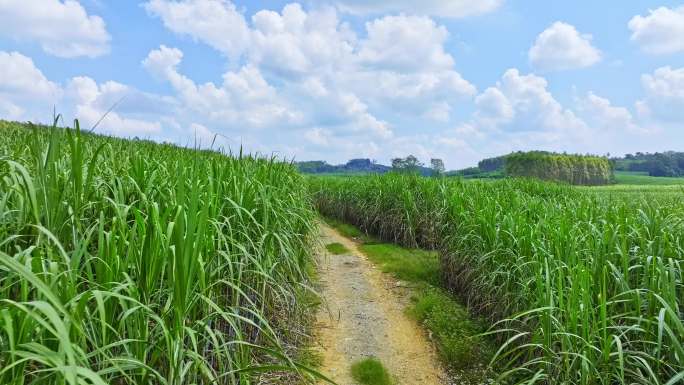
[493, 108]
[352, 108]
[405, 44]
[62, 28]
[519, 113]
[303, 82]
[21, 79]
[342, 83]
[309, 84]
[297, 43]
[440, 8]
[25, 93]
[664, 99]
[204, 137]
[602, 115]
[562, 47]
[92, 101]
[439, 112]
[318, 136]
[535, 108]
[214, 22]
[665, 83]
[412, 93]
[314, 86]
[162, 62]
[10, 111]
[468, 130]
[244, 97]
[661, 32]
[400, 62]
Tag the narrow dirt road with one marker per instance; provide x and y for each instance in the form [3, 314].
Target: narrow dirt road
[362, 317]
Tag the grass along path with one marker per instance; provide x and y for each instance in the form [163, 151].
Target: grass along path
[364, 316]
[465, 353]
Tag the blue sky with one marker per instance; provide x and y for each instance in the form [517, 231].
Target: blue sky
[337, 79]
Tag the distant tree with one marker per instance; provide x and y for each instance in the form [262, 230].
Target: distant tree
[662, 165]
[437, 166]
[359, 164]
[410, 164]
[469, 171]
[669, 163]
[315, 167]
[492, 164]
[398, 164]
[573, 169]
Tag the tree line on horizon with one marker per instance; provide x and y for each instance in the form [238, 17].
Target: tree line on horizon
[667, 164]
[662, 164]
[573, 169]
[569, 168]
[409, 164]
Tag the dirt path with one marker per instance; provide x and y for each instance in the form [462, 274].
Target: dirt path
[365, 317]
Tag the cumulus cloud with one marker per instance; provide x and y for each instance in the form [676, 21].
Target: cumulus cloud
[214, 22]
[62, 28]
[664, 94]
[244, 97]
[660, 32]
[162, 62]
[405, 43]
[20, 78]
[203, 137]
[303, 82]
[10, 111]
[298, 46]
[493, 108]
[452, 8]
[520, 113]
[562, 47]
[341, 80]
[318, 136]
[535, 107]
[439, 112]
[25, 93]
[602, 115]
[409, 93]
[297, 43]
[338, 110]
[356, 110]
[92, 102]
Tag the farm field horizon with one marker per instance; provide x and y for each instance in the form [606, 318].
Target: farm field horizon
[342, 192]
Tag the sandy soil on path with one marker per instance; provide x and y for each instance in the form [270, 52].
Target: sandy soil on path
[363, 316]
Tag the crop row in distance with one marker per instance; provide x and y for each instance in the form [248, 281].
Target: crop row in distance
[581, 287]
[130, 262]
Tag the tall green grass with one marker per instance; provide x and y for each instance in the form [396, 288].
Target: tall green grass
[581, 287]
[130, 262]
